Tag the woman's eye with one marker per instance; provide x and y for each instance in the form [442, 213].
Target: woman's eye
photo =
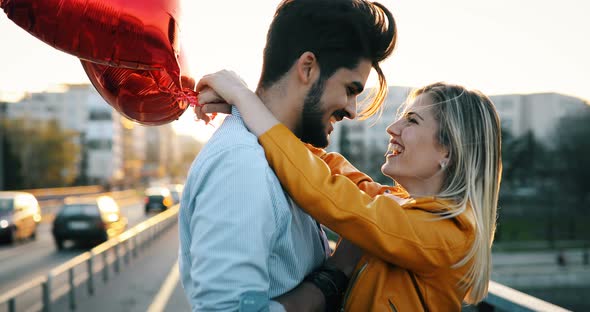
[410, 119]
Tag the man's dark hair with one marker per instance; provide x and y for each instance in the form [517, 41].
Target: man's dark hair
[339, 32]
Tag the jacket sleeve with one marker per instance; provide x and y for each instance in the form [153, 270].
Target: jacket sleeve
[401, 235]
[340, 165]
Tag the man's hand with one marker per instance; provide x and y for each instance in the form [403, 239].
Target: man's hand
[346, 257]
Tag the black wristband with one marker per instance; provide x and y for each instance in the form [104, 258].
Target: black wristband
[332, 282]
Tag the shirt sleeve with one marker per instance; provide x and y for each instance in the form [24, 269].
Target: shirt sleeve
[232, 232]
[403, 235]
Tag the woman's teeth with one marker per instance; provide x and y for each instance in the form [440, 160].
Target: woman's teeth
[394, 149]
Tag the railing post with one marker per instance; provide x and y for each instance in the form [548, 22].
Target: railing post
[152, 234]
[105, 266]
[72, 293]
[134, 248]
[47, 294]
[117, 264]
[91, 275]
[126, 255]
[12, 305]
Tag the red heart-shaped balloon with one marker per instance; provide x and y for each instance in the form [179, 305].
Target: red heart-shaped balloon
[149, 97]
[128, 48]
[136, 34]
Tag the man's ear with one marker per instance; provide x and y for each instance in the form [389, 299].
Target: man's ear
[307, 68]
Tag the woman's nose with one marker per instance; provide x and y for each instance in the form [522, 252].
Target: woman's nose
[394, 129]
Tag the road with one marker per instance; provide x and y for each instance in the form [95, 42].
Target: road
[26, 260]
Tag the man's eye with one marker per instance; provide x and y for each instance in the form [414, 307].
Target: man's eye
[350, 91]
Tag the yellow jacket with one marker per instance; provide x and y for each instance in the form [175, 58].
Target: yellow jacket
[407, 265]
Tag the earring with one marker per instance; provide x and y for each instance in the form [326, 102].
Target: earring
[443, 164]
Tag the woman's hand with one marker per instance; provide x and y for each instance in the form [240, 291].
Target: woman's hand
[219, 90]
[227, 86]
[210, 103]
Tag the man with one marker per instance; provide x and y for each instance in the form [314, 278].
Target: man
[243, 241]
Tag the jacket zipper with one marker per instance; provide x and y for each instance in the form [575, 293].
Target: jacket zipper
[392, 306]
[422, 301]
[351, 285]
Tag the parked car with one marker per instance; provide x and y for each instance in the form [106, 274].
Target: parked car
[88, 219]
[158, 198]
[19, 215]
[176, 192]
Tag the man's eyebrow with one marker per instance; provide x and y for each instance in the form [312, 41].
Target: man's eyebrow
[413, 113]
[357, 86]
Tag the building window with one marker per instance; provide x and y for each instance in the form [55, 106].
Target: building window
[100, 115]
[98, 144]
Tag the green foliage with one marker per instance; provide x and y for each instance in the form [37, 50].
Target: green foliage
[572, 154]
[345, 147]
[41, 154]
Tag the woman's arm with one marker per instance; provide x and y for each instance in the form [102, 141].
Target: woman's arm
[230, 87]
[403, 235]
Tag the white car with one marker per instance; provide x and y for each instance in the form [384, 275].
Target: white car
[19, 215]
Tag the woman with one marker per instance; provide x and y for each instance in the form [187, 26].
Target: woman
[426, 242]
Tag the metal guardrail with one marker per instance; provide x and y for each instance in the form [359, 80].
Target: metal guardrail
[50, 206]
[503, 298]
[47, 193]
[96, 261]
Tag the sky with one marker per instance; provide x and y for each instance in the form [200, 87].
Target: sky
[498, 47]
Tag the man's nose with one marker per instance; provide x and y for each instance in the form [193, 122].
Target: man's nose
[351, 109]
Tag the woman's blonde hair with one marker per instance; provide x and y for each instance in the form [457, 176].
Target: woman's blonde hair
[469, 128]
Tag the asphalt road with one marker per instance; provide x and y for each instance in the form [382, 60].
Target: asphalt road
[26, 260]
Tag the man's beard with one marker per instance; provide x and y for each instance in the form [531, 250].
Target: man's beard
[310, 128]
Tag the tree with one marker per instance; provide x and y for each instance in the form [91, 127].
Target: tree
[345, 147]
[571, 154]
[179, 170]
[44, 154]
[11, 163]
[524, 159]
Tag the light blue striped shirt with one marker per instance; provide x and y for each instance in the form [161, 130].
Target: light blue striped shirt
[243, 240]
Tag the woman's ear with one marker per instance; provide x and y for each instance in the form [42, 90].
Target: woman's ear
[445, 160]
[307, 68]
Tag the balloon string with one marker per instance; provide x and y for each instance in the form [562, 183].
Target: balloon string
[188, 97]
